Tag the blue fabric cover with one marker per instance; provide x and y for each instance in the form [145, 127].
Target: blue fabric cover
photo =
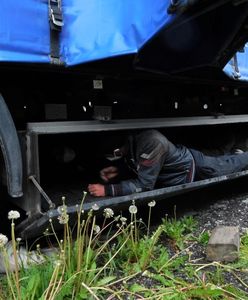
[24, 31]
[94, 29]
[242, 59]
[97, 29]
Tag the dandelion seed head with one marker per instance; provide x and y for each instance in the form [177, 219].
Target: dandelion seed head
[3, 240]
[123, 220]
[57, 263]
[108, 213]
[63, 219]
[62, 209]
[152, 203]
[95, 207]
[97, 229]
[13, 214]
[133, 209]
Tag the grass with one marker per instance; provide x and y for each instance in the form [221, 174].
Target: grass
[122, 259]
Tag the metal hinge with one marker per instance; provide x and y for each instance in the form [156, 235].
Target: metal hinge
[55, 14]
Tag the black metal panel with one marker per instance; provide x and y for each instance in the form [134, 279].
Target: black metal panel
[207, 36]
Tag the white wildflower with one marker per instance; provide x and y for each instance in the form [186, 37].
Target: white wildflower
[13, 214]
[3, 240]
[96, 229]
[95, 206]
[133, 209]
[152, 203]
[123, 220]
[63, 219]
[18, 240]
[108, 213]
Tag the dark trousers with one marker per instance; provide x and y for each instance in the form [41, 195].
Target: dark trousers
[214, 166]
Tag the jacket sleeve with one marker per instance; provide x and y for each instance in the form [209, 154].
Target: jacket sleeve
[150, 162]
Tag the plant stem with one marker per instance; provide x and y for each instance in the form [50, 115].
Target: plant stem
[16, 259]
[99, 272]
[90, 291]
[149, 221]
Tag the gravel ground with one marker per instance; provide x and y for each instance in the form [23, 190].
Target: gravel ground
[223, 205]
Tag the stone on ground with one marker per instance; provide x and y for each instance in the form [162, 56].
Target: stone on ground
[224, 244]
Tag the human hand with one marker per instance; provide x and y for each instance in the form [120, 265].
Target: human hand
[97, 190]
[108, 173]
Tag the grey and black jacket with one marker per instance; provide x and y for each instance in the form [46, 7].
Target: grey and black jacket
[156, 162]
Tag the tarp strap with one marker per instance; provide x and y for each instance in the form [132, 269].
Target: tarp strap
[56, 23]
[236, 73]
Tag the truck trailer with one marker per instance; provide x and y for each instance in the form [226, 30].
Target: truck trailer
[78, 76]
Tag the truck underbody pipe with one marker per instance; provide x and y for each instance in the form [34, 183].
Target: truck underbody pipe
[10, 146]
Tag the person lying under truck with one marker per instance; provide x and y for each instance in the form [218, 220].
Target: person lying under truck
[157, 162]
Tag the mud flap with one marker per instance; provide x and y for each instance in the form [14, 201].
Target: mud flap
[10, 147]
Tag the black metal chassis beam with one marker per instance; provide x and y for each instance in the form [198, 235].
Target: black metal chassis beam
[128, 124]
[34, 227]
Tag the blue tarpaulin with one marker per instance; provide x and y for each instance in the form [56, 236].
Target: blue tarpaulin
[105, 28]
[238, 69]
[24, 31]
[93, 29]
[98, 29]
